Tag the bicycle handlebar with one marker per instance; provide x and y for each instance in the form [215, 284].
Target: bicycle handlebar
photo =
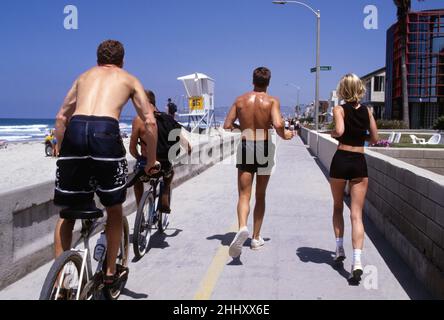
[140, 173]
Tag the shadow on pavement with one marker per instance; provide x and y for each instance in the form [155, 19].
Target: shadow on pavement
[319, 256]
[235, 262]
[134, 295]
[227, 239]
[158, 240]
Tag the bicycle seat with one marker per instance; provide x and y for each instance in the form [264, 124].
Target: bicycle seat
[134, 178]
[88, 213]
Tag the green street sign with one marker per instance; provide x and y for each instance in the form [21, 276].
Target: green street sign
[323, 68]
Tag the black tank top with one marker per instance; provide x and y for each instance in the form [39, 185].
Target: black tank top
[357, 126]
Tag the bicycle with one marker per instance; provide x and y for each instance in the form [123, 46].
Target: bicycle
[149, 213]
[71, 276]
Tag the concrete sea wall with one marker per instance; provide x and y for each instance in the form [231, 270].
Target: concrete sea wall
[28, 215]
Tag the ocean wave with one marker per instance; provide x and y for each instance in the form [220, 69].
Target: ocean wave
[24, 130]
[22, 127]
[15, 138]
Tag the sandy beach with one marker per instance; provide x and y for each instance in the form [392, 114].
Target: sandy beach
[25, 164]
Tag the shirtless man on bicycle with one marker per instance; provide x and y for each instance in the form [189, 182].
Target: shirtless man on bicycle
[92, 155]
[138, 139]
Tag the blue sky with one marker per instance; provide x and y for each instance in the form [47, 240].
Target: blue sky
[225, 39]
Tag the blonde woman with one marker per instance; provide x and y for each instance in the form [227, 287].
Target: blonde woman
[355, 125]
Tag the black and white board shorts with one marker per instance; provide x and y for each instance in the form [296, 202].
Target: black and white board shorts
[92, 161]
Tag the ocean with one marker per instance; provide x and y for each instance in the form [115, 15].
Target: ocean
[22, 130]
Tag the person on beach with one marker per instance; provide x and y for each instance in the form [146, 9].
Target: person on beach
[257, 113]
[92, 155]
[165, 124]
[171, 108]
[354, 126]
[54, 143]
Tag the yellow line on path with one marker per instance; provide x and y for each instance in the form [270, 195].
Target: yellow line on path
[210, 280]
[217, 266]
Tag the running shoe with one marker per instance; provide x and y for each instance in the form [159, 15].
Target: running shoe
[238, 242]
[257, 244]
[357, 271]
[340, 255]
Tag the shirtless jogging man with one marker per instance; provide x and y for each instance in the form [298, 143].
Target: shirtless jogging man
[257, 113]
[92, 154]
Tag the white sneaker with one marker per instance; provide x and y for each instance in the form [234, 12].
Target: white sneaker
[357, 271]
[257, 244]
[238, 242]
[340, 255]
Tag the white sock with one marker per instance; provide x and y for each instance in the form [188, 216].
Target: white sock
[357, 254]
[339, 243]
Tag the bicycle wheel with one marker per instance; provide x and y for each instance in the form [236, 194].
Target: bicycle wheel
[163, 221]
[144, 224]
[63, 280]
[48, 150]
[122, 263]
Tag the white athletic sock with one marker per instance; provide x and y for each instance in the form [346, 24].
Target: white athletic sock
[339, 243]
[357, 254]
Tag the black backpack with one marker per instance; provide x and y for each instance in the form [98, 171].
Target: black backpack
[165, 124]
[172, 108]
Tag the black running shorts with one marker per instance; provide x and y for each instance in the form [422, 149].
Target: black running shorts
[256, 157]
[92, 161]
[348, 166]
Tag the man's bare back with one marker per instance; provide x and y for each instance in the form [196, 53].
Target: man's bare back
[254, 111]
[257, 112]
[103, 91]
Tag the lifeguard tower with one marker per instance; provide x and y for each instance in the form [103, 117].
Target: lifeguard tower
[200, 92]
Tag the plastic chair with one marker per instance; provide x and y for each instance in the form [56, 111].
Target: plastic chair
[392, 137]
[398, 138]
[436, 139]
[416, 140]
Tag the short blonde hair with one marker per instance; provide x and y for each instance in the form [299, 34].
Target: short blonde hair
[351, 88]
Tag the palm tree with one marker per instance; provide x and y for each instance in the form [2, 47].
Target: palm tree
[403, 11]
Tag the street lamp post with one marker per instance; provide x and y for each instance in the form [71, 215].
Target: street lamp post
[299, 92]
[317, 13]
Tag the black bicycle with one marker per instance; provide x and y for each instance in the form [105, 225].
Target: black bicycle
[71, 276]
[149, 214]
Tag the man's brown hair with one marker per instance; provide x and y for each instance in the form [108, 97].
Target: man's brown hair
[262, 77]
[151, 97]
[110, 52]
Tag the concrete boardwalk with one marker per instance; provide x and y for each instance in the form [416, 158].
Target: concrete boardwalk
[191, 261]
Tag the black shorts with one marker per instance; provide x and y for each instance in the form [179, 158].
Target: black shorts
[92, 161]
[256, 157]
[348, 166]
